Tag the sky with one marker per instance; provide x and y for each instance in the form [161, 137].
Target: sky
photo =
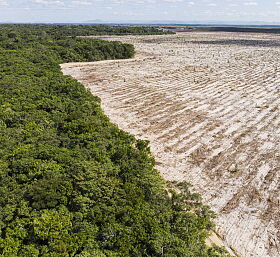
[140, 10]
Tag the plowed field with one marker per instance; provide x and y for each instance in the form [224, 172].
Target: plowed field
[210, 105]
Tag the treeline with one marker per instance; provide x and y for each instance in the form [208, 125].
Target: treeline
[59, 31]
[71, 182]
[241, 29]
[63, 48]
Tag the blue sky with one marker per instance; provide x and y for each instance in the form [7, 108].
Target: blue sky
[144, 10]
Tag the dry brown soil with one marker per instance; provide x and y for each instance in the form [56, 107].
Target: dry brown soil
[209, 104]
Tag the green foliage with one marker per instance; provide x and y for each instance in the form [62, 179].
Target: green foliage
[48, 33]
[72, 183]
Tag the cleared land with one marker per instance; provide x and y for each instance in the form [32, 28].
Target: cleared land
[210, 105]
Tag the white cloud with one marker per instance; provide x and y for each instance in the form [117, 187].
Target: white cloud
[212, 5]
[251, 3]
[3, 3]
[173, 1]
[117, 2]
[233, 5]
[191, 3]
[49, 2]
[145, 1]
[81, 3]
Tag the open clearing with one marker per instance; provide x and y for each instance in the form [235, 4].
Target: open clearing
[209, 104]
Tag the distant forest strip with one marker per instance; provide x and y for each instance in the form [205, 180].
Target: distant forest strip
[61, 31]
[181, 28]
[71, 182]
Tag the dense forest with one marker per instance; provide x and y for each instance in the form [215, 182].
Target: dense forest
[241, 29]
[44, 31]
[71, 182]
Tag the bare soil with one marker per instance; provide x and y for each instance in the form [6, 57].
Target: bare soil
[210, 105]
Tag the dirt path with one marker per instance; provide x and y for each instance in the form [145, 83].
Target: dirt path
[209, 104]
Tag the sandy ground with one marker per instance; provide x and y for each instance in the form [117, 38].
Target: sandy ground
[209, 104]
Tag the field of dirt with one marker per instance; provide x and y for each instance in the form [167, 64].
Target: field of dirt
[210, 105]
